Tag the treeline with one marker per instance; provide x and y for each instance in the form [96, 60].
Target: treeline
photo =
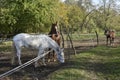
[36, 16]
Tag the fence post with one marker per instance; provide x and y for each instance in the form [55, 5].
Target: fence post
[97, 37]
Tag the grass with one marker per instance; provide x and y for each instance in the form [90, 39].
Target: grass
[5, 46]
[100, 63]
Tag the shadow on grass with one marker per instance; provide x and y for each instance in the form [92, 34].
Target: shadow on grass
[103, 61]
[105, 68]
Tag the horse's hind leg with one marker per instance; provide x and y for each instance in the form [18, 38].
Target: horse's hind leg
[110, 41]
[54, 56]
[19, 54]
[16, 50]
[13, 55]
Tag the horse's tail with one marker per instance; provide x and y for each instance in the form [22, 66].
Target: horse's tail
[13, 52]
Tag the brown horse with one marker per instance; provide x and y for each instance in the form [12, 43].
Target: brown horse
[55, 35]
[110, 35]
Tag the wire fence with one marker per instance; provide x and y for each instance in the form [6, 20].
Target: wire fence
[79, 42]
[22, 66]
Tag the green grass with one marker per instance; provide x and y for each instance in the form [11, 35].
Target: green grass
[6, 46]
[100, 63]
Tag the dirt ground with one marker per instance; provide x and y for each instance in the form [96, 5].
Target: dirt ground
[41, 72]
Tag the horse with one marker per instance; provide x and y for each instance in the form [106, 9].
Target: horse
[55, 35]
[110, 35]
[39, 42]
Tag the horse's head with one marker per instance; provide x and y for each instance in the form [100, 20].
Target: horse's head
[54, 26]
[61, 56]
[106, 32]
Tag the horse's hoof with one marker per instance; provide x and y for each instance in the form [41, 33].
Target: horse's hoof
[48, 60]
[54, 60]
[44, 64]
[12, 64]
[36, 65]
[20, 63]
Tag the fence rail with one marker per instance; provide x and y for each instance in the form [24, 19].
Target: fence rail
[22, 66]
[5, 39]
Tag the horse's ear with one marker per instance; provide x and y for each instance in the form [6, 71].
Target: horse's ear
[56, 22]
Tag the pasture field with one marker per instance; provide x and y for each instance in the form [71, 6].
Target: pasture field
[90, 63]
[100, 63]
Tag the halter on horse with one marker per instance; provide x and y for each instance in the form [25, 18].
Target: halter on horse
[110, 35]
[40, 42]
[55, 35]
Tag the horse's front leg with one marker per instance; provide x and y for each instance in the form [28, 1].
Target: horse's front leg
[107, 41]
[112, 41]
[43, 61]
[41, 51]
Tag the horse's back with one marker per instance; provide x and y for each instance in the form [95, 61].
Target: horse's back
[20, 36]
[112, 34]
[33, 41]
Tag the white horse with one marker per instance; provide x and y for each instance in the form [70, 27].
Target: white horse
[40, 42]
